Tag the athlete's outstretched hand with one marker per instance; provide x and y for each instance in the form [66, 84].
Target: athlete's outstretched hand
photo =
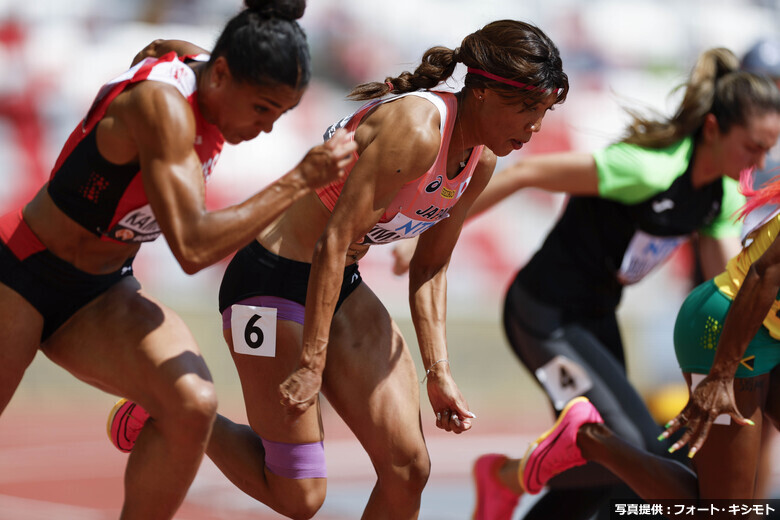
[451, 409]
[325, 163]
[299, 391]
[711, 398]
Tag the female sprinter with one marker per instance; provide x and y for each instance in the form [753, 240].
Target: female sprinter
[726, 341]
[133, 169]
[632, 204]
[296, 315]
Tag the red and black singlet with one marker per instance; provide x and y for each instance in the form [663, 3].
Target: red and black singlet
[109, 199]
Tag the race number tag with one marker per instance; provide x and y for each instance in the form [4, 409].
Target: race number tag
[254, 330]
[723, 418]
[563, 380]
[645, 252]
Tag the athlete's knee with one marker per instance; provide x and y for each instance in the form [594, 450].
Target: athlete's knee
[407, 473]
[191, 413]
[304, 504]
[304, 465]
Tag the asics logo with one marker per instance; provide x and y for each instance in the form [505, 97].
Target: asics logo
[434, 185]
[659, 206]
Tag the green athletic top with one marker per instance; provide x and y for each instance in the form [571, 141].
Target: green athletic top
[646, 208]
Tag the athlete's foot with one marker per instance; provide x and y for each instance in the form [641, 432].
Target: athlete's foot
[494, 500]
[125, 422]
[556, 450]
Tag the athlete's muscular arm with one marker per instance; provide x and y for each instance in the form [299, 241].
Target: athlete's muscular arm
[428, 302]
[715, 393]
[160, 47]
[155, 122]
[573, 173]
[398, 143]
[569, 172]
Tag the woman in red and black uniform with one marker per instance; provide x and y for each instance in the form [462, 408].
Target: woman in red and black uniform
[133, 169]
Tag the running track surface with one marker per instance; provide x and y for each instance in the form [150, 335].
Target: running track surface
[60, 465]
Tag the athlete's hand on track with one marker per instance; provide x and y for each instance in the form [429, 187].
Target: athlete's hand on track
[451, 409]
[325, 163]
[299, 391]
[711, 398]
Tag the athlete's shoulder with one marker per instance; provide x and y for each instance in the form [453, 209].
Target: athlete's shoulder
[413, 113]
[487, 159]
[153, 109]
[630, 173]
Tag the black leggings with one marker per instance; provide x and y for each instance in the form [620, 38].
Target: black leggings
[543, 337]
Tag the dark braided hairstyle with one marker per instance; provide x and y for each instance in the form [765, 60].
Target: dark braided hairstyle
[510, 49]
[263, 44]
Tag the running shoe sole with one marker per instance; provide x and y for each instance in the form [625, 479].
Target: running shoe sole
[118, 429]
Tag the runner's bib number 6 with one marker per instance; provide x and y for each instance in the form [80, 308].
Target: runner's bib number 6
[254, 330]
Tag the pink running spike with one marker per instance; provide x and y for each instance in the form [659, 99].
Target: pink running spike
[494, 501]
[556, 449]
[125, 422]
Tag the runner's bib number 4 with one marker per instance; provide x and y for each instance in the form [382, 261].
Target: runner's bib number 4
[563, 380]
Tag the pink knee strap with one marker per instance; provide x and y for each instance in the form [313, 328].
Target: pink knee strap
[295, 460]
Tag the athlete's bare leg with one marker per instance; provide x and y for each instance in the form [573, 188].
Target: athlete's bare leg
[128, 344]
[650, 476]
[727, 463]
[766, 460]
[371, 382]
[238, 450]
[658, 478]
[367, 360]
[20, 330]
[769, 434]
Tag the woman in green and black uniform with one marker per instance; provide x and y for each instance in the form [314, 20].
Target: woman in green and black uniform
[632, 205]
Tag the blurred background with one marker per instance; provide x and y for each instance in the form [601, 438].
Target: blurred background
[56, 54]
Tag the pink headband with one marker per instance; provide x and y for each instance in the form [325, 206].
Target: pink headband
[517, 84]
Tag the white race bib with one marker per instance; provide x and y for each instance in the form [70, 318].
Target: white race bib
[401, 226]
[254, 330]
[563, 380]
[644, 253]
[138, 225]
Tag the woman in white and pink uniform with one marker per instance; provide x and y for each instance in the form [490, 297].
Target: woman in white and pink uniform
[293, 299]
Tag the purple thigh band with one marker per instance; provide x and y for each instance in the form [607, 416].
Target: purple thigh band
[295, 460]
[285, 309]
